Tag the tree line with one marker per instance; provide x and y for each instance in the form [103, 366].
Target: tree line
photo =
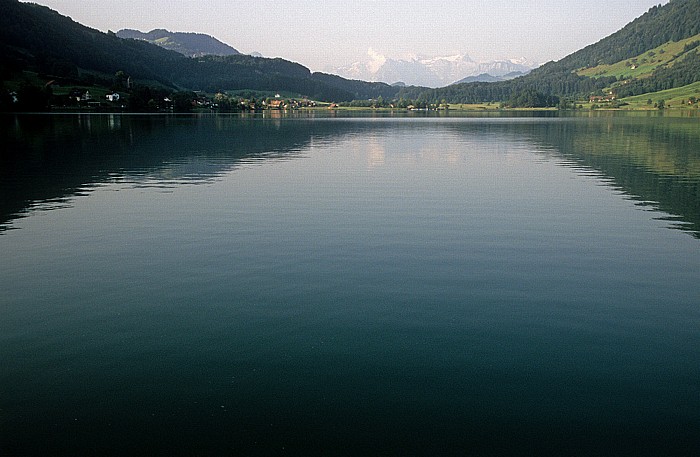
[36, 38]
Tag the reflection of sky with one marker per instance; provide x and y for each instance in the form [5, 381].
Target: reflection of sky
[318, 291]
[478, 150]
[375, 153]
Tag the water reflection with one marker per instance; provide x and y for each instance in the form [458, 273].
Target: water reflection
[655, 162]
[480, 280]
[47, 160]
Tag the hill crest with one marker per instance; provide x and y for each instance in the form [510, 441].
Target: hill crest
[190, 44]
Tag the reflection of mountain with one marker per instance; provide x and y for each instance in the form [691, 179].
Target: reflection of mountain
[47, 160]
[654, 161]
[50, 159]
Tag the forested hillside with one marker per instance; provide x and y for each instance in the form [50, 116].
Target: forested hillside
[672, 22]
[38, 39]
[188, 44]
[34, 37]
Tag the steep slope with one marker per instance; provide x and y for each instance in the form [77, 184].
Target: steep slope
[659, 27]
[37, 38]
[188, 44]
[675, 21]
[644, 65]
[33, 36]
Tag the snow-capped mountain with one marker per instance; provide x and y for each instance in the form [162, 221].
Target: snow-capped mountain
[428, 72]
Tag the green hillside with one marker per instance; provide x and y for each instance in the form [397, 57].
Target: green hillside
[644, 65]
[658, 28]
[37, 39]
[685, 96]
[667, 72]
[658, 51]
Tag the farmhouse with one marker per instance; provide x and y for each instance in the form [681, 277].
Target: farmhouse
[276, 104]
[602, 98]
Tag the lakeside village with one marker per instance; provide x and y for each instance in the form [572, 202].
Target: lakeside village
[129, 97]
[32, 92]
[55, 97]
[122, 95]
[199, 101]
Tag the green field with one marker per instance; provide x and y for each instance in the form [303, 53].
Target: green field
[644, 64]
[260, 94]
[673, 98]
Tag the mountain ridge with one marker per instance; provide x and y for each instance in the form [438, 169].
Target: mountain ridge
[674, 21]
[36, 38]
[190, 44]
[431, 72]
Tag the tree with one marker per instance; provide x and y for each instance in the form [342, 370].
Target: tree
[33, 98]
[5, 98]
[182, 101]
[120, 80]
[226, 103]
[530, 98]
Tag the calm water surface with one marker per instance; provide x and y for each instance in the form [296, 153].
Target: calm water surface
[379, 286]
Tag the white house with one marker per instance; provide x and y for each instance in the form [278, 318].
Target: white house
[113, 97]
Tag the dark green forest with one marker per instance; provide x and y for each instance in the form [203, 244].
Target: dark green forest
[683, 72]
[36, 38]
[672, 22]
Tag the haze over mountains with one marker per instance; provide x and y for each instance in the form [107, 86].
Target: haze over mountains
[415, 71]
[655, 52]
[189, 44]
[432, 71]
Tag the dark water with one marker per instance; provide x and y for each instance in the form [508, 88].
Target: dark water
[383, 286]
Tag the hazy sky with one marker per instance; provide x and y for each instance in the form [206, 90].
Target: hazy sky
[328, 33]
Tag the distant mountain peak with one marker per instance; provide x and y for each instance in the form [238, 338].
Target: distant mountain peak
[426, 71]
[488, 78]
[188, 43]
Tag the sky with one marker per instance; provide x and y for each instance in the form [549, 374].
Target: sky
[323, 34]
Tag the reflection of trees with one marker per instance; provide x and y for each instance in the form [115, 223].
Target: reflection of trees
[652, 159]
[655, 161]
[48, 158]
[53, 157]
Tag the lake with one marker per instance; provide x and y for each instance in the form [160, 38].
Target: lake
[380, 286]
